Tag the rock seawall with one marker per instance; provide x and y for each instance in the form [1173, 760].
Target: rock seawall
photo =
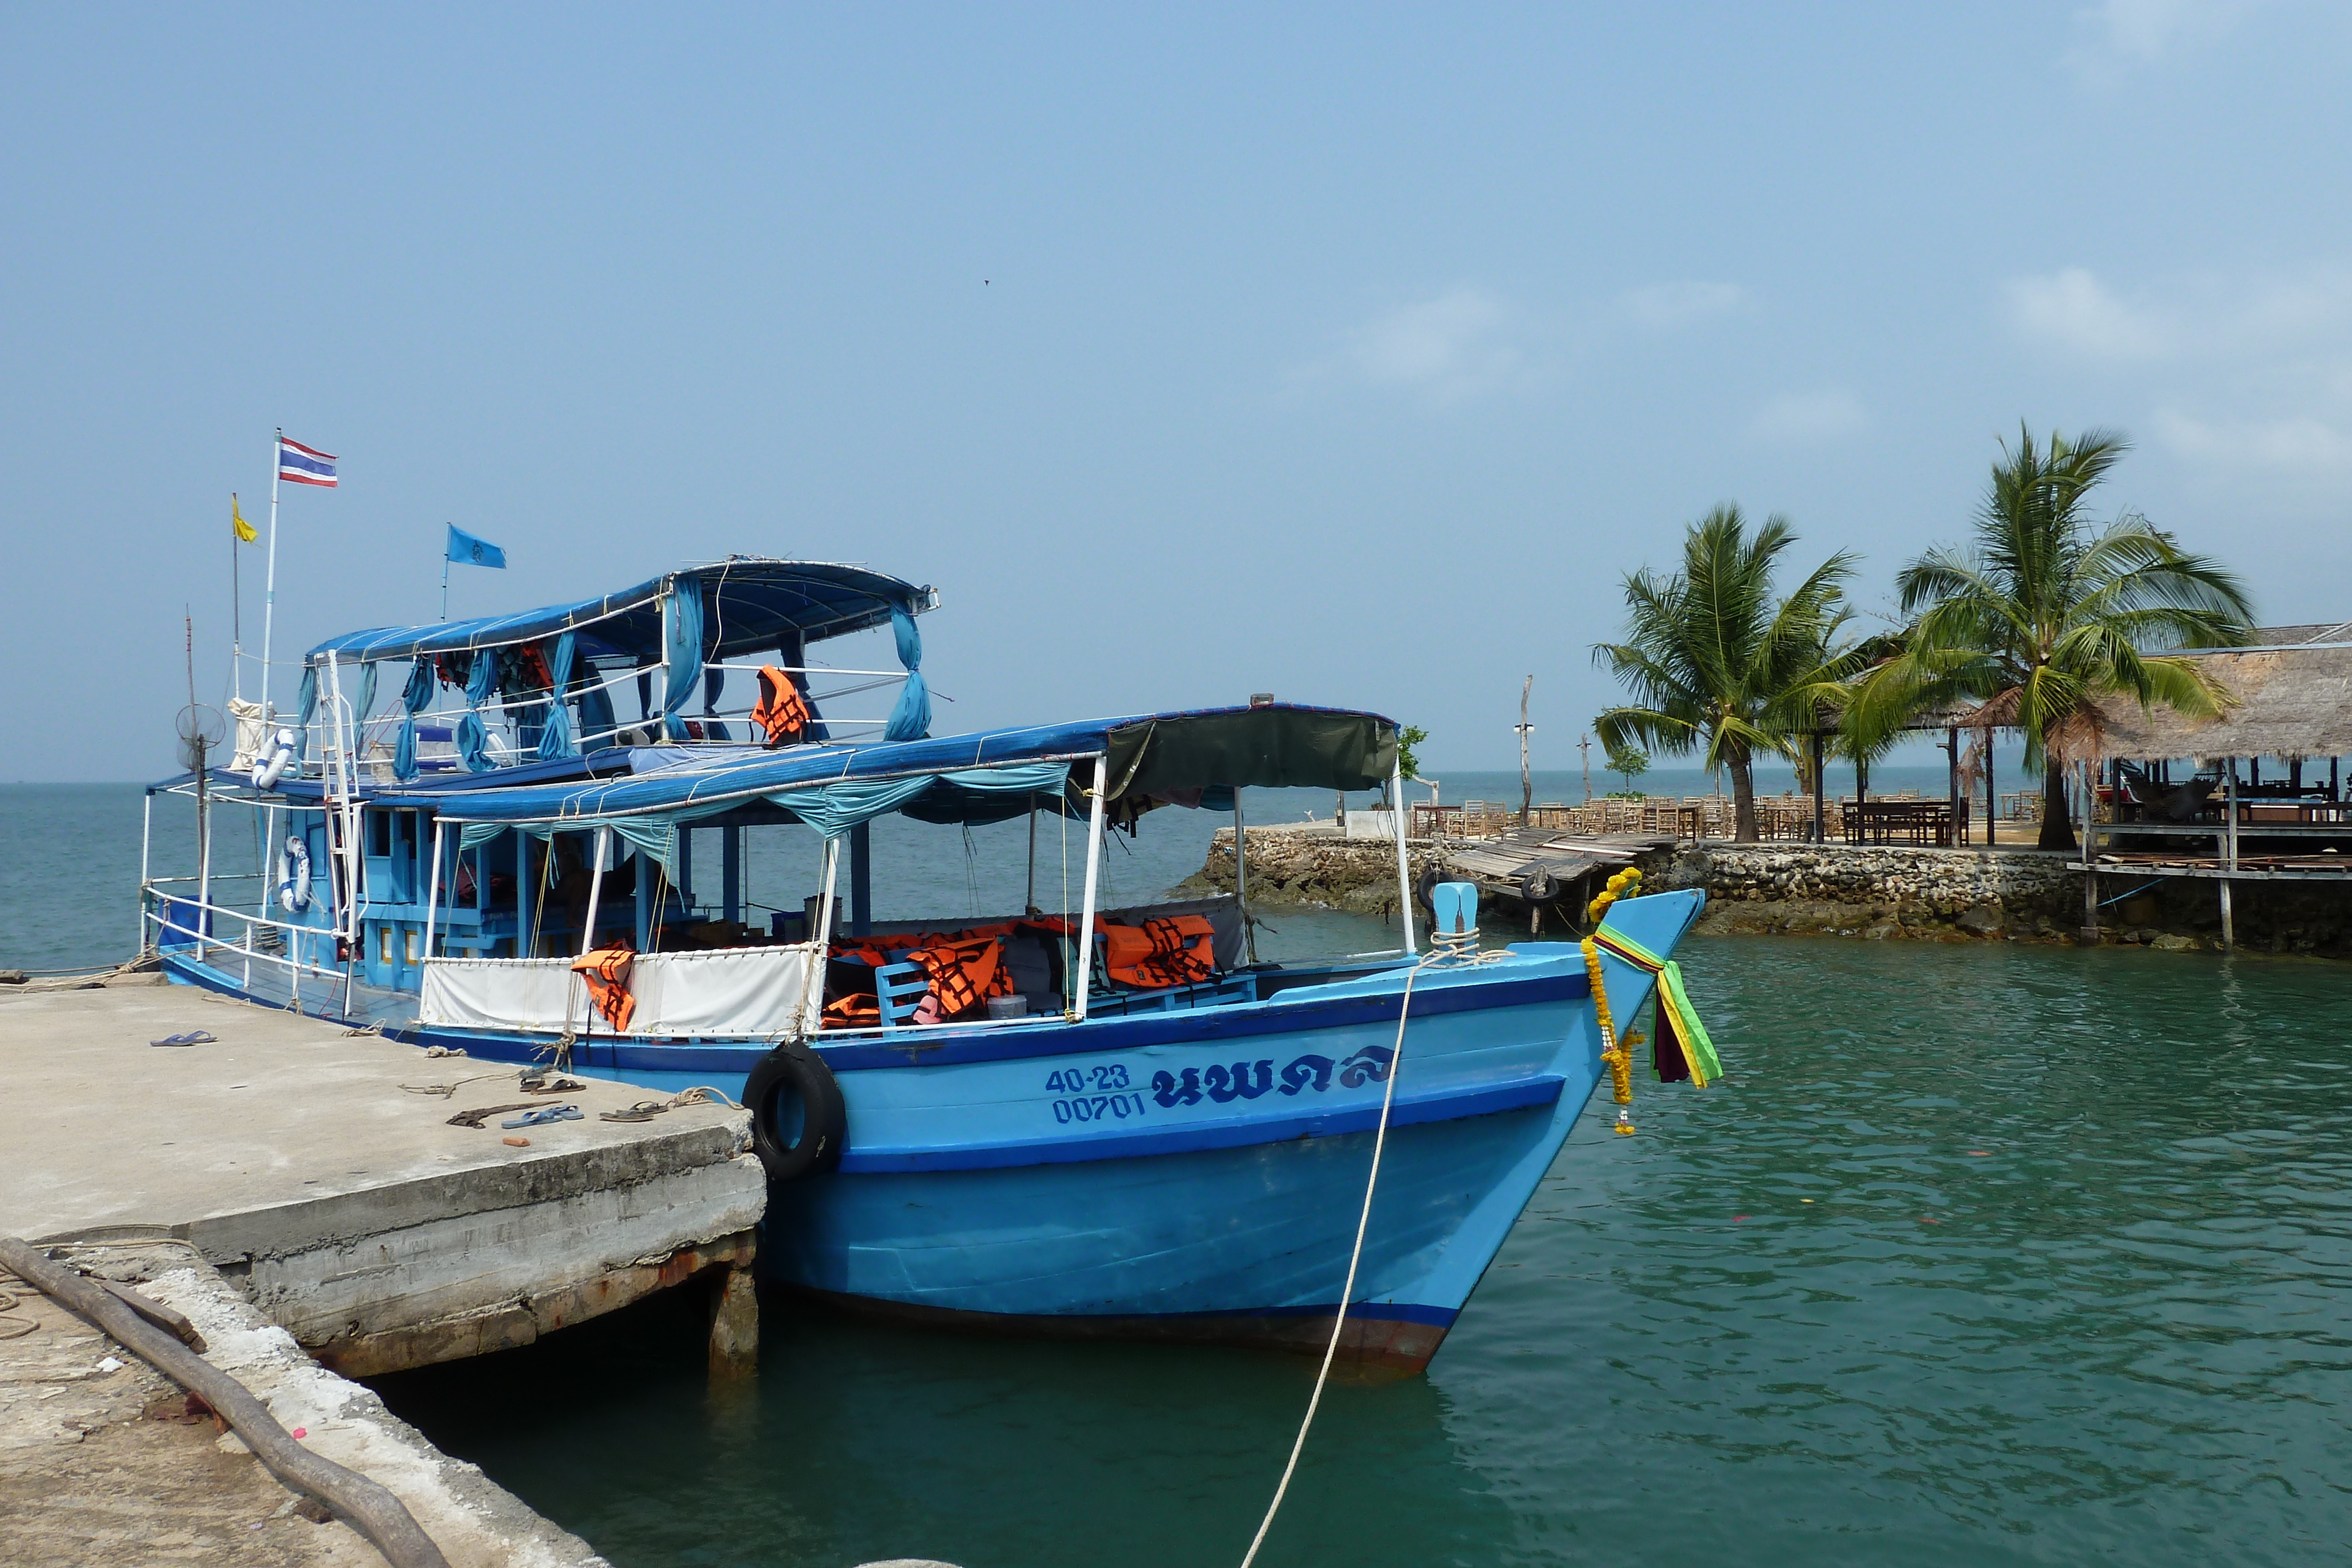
[1941, 894]
[1877, 893]
[1309, 871]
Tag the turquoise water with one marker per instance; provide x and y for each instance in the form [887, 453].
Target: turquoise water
[2071, 1285]
[1980, 1256]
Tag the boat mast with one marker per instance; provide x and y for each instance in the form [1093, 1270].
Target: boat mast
[270, 577]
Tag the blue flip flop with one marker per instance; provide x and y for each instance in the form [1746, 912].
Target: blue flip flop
[194, 1037]
[543, 1116]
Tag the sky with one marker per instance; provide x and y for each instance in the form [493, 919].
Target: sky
[1352, 353]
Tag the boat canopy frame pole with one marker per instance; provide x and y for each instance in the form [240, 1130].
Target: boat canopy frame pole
[1404, 856]
[432, 893]
[1029, 901]
[1240, 878]
[596, 890]
[1085, 954]
[820, 945]
[861, 880]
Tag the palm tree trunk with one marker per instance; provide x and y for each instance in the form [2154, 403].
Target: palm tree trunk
[1743, 799]
[2057, 823]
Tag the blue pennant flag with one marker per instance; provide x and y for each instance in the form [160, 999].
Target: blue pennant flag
[466, 551]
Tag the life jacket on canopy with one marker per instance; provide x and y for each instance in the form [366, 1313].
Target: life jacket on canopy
[607, 971]
[780, 711]
[1171, 950]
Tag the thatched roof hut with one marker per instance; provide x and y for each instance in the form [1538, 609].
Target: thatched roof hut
[2294, 692]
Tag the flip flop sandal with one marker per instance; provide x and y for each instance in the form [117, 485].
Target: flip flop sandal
[474, 1118]
[543, 1116]
[643, 1111]
[556, 1086]
[194, 1037]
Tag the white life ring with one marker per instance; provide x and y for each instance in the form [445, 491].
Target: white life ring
[269, 769]
[294, 875]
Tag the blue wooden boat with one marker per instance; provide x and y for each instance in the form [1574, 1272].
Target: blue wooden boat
[1136, 1130]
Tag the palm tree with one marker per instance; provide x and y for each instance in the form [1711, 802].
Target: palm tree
[2050, 614]
[1715, 663]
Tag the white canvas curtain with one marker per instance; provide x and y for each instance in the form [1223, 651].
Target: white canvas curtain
[730, 991]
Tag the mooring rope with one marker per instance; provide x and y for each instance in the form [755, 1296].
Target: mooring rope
[1450, 949]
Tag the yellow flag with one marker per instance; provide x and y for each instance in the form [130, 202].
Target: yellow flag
[245, 530]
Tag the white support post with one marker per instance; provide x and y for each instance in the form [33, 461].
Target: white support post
[433, 891]
[2228, 850]
[203, 870]
[820, 945]
[146, 842]
[2087, 773]
[1404, 857]
[1085, 954]
[596, 890]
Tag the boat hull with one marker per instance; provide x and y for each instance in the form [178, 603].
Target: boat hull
[1187, 1176]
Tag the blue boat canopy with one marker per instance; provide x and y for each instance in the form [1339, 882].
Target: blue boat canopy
[1195, 758]
[749, 603]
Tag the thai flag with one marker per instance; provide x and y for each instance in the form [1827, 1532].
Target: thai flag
[303, 465]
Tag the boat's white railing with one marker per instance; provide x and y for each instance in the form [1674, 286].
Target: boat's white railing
[211, 945]
[504, 718]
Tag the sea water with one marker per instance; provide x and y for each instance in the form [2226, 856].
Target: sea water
[1980, 1255]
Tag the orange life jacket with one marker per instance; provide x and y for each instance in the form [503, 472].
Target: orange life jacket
[1174, 950]
[606, 970]
[859, 1009]
[959, 973]
[959, 976]
[782, 711]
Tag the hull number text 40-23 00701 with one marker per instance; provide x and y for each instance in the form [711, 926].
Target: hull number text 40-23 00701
[1115, 1106]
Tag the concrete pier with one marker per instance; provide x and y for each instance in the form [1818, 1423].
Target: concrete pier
[101, 1459]
[318, 1172]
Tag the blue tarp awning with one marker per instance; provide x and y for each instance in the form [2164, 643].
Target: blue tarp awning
[749, 604]
[1163, 756]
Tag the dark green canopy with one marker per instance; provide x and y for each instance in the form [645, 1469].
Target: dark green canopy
[1271, 747]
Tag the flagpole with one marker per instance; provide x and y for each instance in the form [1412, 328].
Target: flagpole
[445, 580]
[270, 584]
[235, 609]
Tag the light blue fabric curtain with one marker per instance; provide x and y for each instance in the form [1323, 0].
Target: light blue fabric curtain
[656, 836]
[714, 682]
[306, 705]
[682, 643]
[366, 703]
[473, 739]
[911, 719]
[555, 740]
[834, 809]
[596, 720]
[414, 699]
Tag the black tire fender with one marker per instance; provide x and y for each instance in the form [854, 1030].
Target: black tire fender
[1538, 886]
[1425, 889]
[795, 1069]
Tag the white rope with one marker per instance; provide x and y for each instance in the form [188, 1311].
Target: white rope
[1451, 950]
